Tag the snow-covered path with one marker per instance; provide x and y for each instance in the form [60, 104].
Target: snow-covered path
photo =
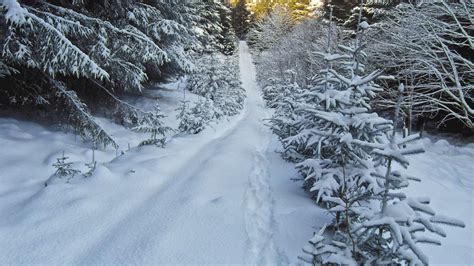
[205, 199]
[216, 207]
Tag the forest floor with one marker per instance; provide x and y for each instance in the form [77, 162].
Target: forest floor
[223, 196]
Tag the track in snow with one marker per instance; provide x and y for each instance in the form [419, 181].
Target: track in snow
[205, 199]
[259, 202]
[216, 205]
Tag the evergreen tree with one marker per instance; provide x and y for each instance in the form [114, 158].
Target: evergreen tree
[271, 29]
[64, 168]
[352, 171]
[152, 122]
[217, 79]
[213, 27]
[241, 19]
[71, 59]
[345, 153]
[195, 119]
[227, 39]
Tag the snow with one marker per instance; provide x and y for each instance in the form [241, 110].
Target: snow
[15, 13]
[446, 173]
[364, 25]
[223, 196]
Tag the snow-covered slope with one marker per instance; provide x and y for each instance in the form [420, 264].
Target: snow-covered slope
[222, 196]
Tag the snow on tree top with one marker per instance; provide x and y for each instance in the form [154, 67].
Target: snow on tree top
[15, 13]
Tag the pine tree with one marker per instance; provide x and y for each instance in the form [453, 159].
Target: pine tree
[285, 96]
[391, 230]
[230, 97]
[227, 38]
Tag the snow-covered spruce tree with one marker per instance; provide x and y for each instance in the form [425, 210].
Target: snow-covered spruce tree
[98, 50]
[38, 44]
[338, 172]
[204, 81]
[241, 19]
[64, 169]
[271, 28]
[342, 115]
[285, 97]
[152, 122]
[391, 230]
[353, 175]
[217, 79]
[171, 26]
[227, 39]
[229, 98]
[213, 27]
[194, 119]
[79, 117]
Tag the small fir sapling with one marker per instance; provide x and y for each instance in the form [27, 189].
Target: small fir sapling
[391, 231]
[286, 122]
[229, 98]
[152, 122]
[184, 117]
[64, 169]
[195, 119]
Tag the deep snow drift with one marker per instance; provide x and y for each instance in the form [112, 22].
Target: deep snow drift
[222, 196]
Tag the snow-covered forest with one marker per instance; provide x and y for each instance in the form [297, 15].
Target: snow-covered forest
[322, 132]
